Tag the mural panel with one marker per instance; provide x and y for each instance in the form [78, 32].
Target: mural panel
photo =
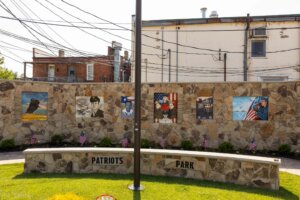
[89, 107]
[250, 108]
[34, 106]
[127, 106]
[204, 108]
[165, 108]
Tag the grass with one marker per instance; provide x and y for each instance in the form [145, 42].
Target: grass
[16, 185]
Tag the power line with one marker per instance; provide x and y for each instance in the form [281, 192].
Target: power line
[75, 50]
[62, 25]
[28, 16]
[11, 58]
[174, 43]
[188, 69]
[48, 26]
[23, 24]
[34, 42]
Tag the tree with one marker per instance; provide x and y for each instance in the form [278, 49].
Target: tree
[6, 73]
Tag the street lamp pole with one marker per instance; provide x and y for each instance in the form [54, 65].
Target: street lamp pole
[137, 112]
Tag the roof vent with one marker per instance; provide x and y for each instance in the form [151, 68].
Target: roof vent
[214, 14]
[203, 11]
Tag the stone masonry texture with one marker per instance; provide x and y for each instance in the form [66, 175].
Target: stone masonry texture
[281, 128]
[219, 167]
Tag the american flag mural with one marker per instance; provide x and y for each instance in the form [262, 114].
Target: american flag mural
[165, 108]
[127, 107]
[250, 108]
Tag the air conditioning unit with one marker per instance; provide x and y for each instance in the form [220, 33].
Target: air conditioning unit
[259, 32]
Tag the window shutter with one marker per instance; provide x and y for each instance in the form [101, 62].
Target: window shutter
[89, 72]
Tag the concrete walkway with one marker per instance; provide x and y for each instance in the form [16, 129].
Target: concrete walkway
[290, 166]
[287, 165]
[11, 157]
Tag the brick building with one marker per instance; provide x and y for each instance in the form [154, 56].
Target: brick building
[46, 67]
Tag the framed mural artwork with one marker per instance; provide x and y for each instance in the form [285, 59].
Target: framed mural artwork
[204, 108]
[250, 108]
[34, 106]
[165, 108]
[127, 107]
[89, 107]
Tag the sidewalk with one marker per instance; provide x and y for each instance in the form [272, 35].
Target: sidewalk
[290, 166]
[11, 157]
[287, 165]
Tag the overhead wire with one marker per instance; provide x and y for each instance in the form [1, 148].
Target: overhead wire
[3, 6]
[48, 26]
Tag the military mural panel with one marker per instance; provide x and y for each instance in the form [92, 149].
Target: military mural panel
[165, 108]
[34, 106]
[127, 107]
[204, 108]
[250, 108]
[89, 107]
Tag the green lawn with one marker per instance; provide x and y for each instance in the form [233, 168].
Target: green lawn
[15, 185]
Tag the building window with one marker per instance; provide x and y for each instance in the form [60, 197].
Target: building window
[259, 32]
[258, 48]
[90, 72]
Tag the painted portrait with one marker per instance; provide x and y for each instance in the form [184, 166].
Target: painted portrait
[204, 108]
[34, 106]
[165, 108]
[127, 107]
[89, 107]
[250, 108]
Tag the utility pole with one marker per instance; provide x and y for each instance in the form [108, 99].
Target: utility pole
[225, 66]
[24, 70]
[246, 47]
[162, 54]
[146, 70]
[137, 111]
[177, 40]
[169, 51]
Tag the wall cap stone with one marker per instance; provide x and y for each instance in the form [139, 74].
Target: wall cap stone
[257, 159]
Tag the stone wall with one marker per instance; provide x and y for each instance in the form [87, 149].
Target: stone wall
[281, 128]
[243, 170]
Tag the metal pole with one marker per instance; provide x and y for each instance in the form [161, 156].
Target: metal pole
[246, 47]
[162, 54]
[25, 70]
[225, 63]
[146, 70]
[137, 112]
[177, 40]
[169, 51]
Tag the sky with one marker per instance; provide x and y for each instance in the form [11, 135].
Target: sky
[117, 11]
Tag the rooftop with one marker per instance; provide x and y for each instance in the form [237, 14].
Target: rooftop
[267, 18]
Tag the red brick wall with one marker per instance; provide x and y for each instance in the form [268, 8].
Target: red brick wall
[102, 68]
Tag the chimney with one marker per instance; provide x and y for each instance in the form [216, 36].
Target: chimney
[61, 53]
[110, 51]
[214, 14]
[203, 11]
[126, 55]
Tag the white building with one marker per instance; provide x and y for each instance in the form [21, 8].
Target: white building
[257, 48]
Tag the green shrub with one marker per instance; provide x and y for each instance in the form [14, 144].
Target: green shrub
[7, 144]
[284, 149]
[57, 140]
[105, 142]
[226, 147]
[145, 143]
[186, 145]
